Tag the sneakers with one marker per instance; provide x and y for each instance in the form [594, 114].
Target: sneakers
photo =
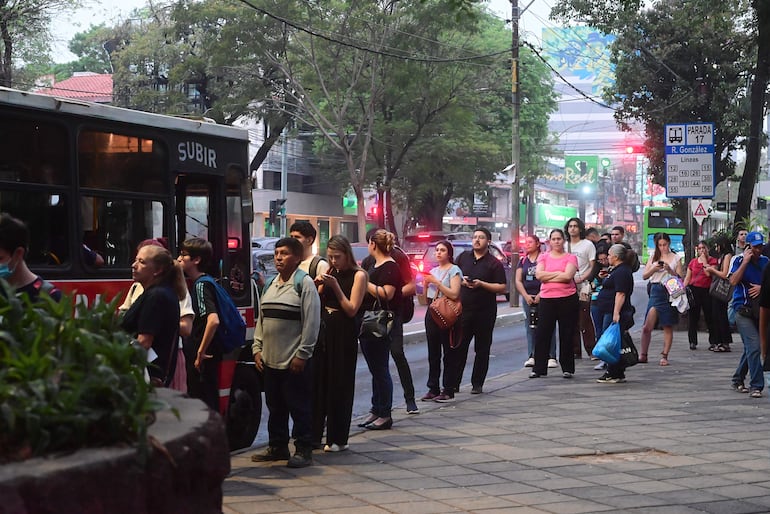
[271, 454]
[607, 379]
[755, 393]
[534, 375]
[552, 363]
[444, 398]
[567, 374]
[300, 459]
[334, 448]
[429, 396]
[602, 365]
[530, 363]
[476, 390]
[411, 407]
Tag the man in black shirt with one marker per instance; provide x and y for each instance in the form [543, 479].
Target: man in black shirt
[483, 280]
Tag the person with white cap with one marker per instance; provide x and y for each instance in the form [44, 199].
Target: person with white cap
[746, 276]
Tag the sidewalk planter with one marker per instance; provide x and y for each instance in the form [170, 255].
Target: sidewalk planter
[184, 476]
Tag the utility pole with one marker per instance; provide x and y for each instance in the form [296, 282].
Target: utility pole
[515, 165]
[284, 178]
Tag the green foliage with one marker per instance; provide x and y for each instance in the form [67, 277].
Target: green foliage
[68, 382]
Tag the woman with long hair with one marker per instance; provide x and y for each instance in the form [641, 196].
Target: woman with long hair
[558, 302]
[385, 285]
[342, 290]
[443, 280]
[721, 325]
[698, 279]
[662, 263]
[153, 318]
[528, 287]
[613, 303]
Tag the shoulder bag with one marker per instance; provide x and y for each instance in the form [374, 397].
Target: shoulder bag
[721, 289]
[377, 322]
[443, 310]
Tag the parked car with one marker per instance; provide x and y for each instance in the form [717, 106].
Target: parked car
[263, 259]
[428, 260]
[415, 244]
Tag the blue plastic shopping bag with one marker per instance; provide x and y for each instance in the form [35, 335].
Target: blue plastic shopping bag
[608, 346]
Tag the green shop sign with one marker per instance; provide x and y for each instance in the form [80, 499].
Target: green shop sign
[580, 170]
[554, 216]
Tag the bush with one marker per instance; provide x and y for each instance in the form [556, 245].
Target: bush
[68, 382]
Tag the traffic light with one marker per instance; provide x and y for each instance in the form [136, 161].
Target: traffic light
[273, 212]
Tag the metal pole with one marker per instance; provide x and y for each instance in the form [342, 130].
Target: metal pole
[284, 178]
[516, 105]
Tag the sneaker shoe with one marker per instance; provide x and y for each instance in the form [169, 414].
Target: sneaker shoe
[602, 365]
[534, 375]
[444, 398]
[334, 448]
[755, 393]
[411, 407]
[429, 396]
[530, 363]
[476, 390]
[567, 374]
[552, 363]
[607, 379]
[300, 459]
[271, 453]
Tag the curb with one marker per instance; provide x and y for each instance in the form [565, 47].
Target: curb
[414, 332]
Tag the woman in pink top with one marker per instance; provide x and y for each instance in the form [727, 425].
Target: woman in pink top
[558, 302]
[698, 279]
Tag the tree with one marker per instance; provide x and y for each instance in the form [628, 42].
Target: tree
[25, 32]
[670, 69]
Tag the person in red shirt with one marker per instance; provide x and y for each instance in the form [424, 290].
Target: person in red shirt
[698, 281]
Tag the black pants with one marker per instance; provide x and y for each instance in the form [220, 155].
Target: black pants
[564, 311]
[701, 301]
[438, 345]
[397, 353]
[289, 394]
[334, 370]
[477, 325]
[721, 325]
[203, 384]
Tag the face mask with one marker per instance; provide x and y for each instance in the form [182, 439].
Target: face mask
[5, 271]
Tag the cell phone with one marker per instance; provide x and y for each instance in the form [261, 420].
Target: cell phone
[660, 263]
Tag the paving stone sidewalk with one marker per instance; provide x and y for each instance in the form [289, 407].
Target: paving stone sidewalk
[672, 439]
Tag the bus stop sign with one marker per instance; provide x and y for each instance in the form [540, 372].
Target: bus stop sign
[690, 160]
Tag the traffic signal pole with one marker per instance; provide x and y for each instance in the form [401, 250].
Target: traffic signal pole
[515, 186]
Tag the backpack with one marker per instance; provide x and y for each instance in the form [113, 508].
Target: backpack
[313, 269]
[299, 275]
[232, 329]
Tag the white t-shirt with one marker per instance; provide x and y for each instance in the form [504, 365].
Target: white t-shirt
[445, 276]
[321, 268]
[585, 251]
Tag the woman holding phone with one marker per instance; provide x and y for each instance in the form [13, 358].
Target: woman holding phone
[662, 264]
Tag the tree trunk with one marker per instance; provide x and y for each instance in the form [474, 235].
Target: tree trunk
[757, 106]
[6, 60]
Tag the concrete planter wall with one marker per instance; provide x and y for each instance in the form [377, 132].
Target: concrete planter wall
[113, 480]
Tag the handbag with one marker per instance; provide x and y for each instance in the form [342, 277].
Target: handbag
[378, 322]
[721, 289]
[629, 356]
[445, 311]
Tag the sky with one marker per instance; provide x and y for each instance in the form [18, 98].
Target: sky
[111, 11]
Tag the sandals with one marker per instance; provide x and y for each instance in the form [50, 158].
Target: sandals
[722, 348]
[643, 358]
[664, 359]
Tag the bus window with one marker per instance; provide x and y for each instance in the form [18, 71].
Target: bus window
[119, 162]
[46, 216]
[33, 151]
[114, 227]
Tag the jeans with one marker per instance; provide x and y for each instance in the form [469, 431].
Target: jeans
[286, 394]
[377, 355]
[438, 345]
[751, 354]
[531, 335]
[397, 352]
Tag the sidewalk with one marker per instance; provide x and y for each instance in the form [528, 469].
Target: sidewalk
[672, 439]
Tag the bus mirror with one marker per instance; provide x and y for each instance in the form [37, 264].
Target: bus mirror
[247, 205]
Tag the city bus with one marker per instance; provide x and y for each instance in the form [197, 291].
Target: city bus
[662, 219]
[90, 175]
